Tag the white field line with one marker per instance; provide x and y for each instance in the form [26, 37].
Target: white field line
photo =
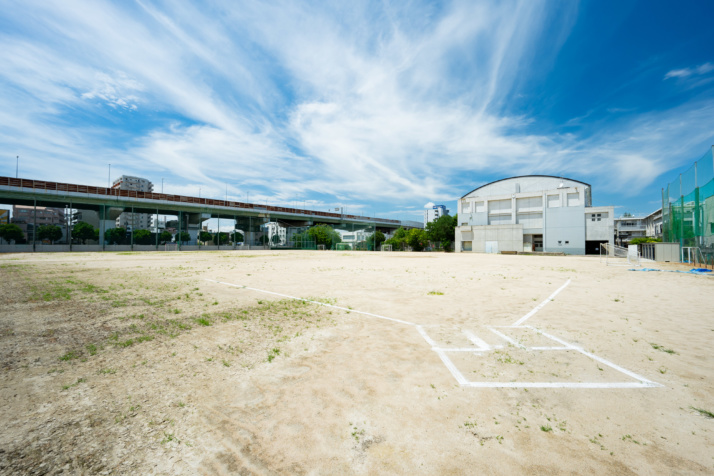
[506, 338]
[599, 359]
[426, 337]
[314, 302]
[541, 305]
[483, 346]
[452, 368]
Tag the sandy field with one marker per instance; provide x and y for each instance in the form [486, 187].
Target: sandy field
[185, 363]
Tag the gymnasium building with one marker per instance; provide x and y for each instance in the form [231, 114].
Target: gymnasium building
[533, 213]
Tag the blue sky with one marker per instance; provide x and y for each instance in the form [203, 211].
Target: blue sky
[375, 106]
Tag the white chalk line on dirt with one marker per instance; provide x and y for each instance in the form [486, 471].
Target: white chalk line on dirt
[541, 305]
[482, 346]
[314, 302]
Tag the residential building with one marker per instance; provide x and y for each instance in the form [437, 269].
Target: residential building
[28, 218]
[653, 224]
[354, 237]
[276, 233]
[533, 213]
[434, 213]
[128, 220]
[628, 227]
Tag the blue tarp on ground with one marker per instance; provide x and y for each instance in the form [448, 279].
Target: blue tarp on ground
[691, 271]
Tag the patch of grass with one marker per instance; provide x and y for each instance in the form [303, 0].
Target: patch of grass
[546, 428]
[71, 355]
[169, 437]
[273, 353]
[92, 349]
[203, 321]
[107, 371]
[662, 348]
[226, 363]
[505, 358]
[79, 380]
[702, 412]
[435, 293]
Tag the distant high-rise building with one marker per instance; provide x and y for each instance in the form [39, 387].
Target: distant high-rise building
[434, 213]
[128, 220]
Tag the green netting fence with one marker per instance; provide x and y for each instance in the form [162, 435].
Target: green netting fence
[688, 206]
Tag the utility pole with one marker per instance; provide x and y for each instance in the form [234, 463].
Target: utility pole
[17, 166]
[162, 185]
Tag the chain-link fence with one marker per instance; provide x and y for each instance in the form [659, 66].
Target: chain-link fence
[688, 207]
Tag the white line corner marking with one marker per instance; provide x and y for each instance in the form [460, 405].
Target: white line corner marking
[480, 346]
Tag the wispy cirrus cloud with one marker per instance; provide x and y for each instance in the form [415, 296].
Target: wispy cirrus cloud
[362, 102]
[687, 72]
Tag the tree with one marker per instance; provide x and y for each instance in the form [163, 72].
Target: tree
[11, 232]
[441, 231]
[238, 237]
[143, 237]
[324, 235]
[275, 240]
[183, 237]
[115, 236]
[49, 232]
[370, 240]
[222, 238]
[83, 231]
[399, 240]
[165, 237]
[205, 236]
[416, 238]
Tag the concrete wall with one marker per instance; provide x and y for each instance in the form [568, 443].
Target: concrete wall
[86, 248]
[602, 229]
[565, 230]
[508, 237]
[46, 248]
[15, 248]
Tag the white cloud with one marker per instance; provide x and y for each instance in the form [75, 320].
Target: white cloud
[686, 72]
[429, 205]
[290, 99]
[117, 91]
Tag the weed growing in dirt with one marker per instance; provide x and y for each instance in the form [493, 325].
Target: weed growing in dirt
[662, 348]
[273, 353]
[79, 380]
[702, 412]
[71, 355]
[546, 428]
[435, 293]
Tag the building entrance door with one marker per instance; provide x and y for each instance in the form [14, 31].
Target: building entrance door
[492, 247]
[537, 242]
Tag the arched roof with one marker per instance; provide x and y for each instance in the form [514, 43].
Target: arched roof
[521, 177]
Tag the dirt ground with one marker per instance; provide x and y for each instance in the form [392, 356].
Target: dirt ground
[151, 363]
